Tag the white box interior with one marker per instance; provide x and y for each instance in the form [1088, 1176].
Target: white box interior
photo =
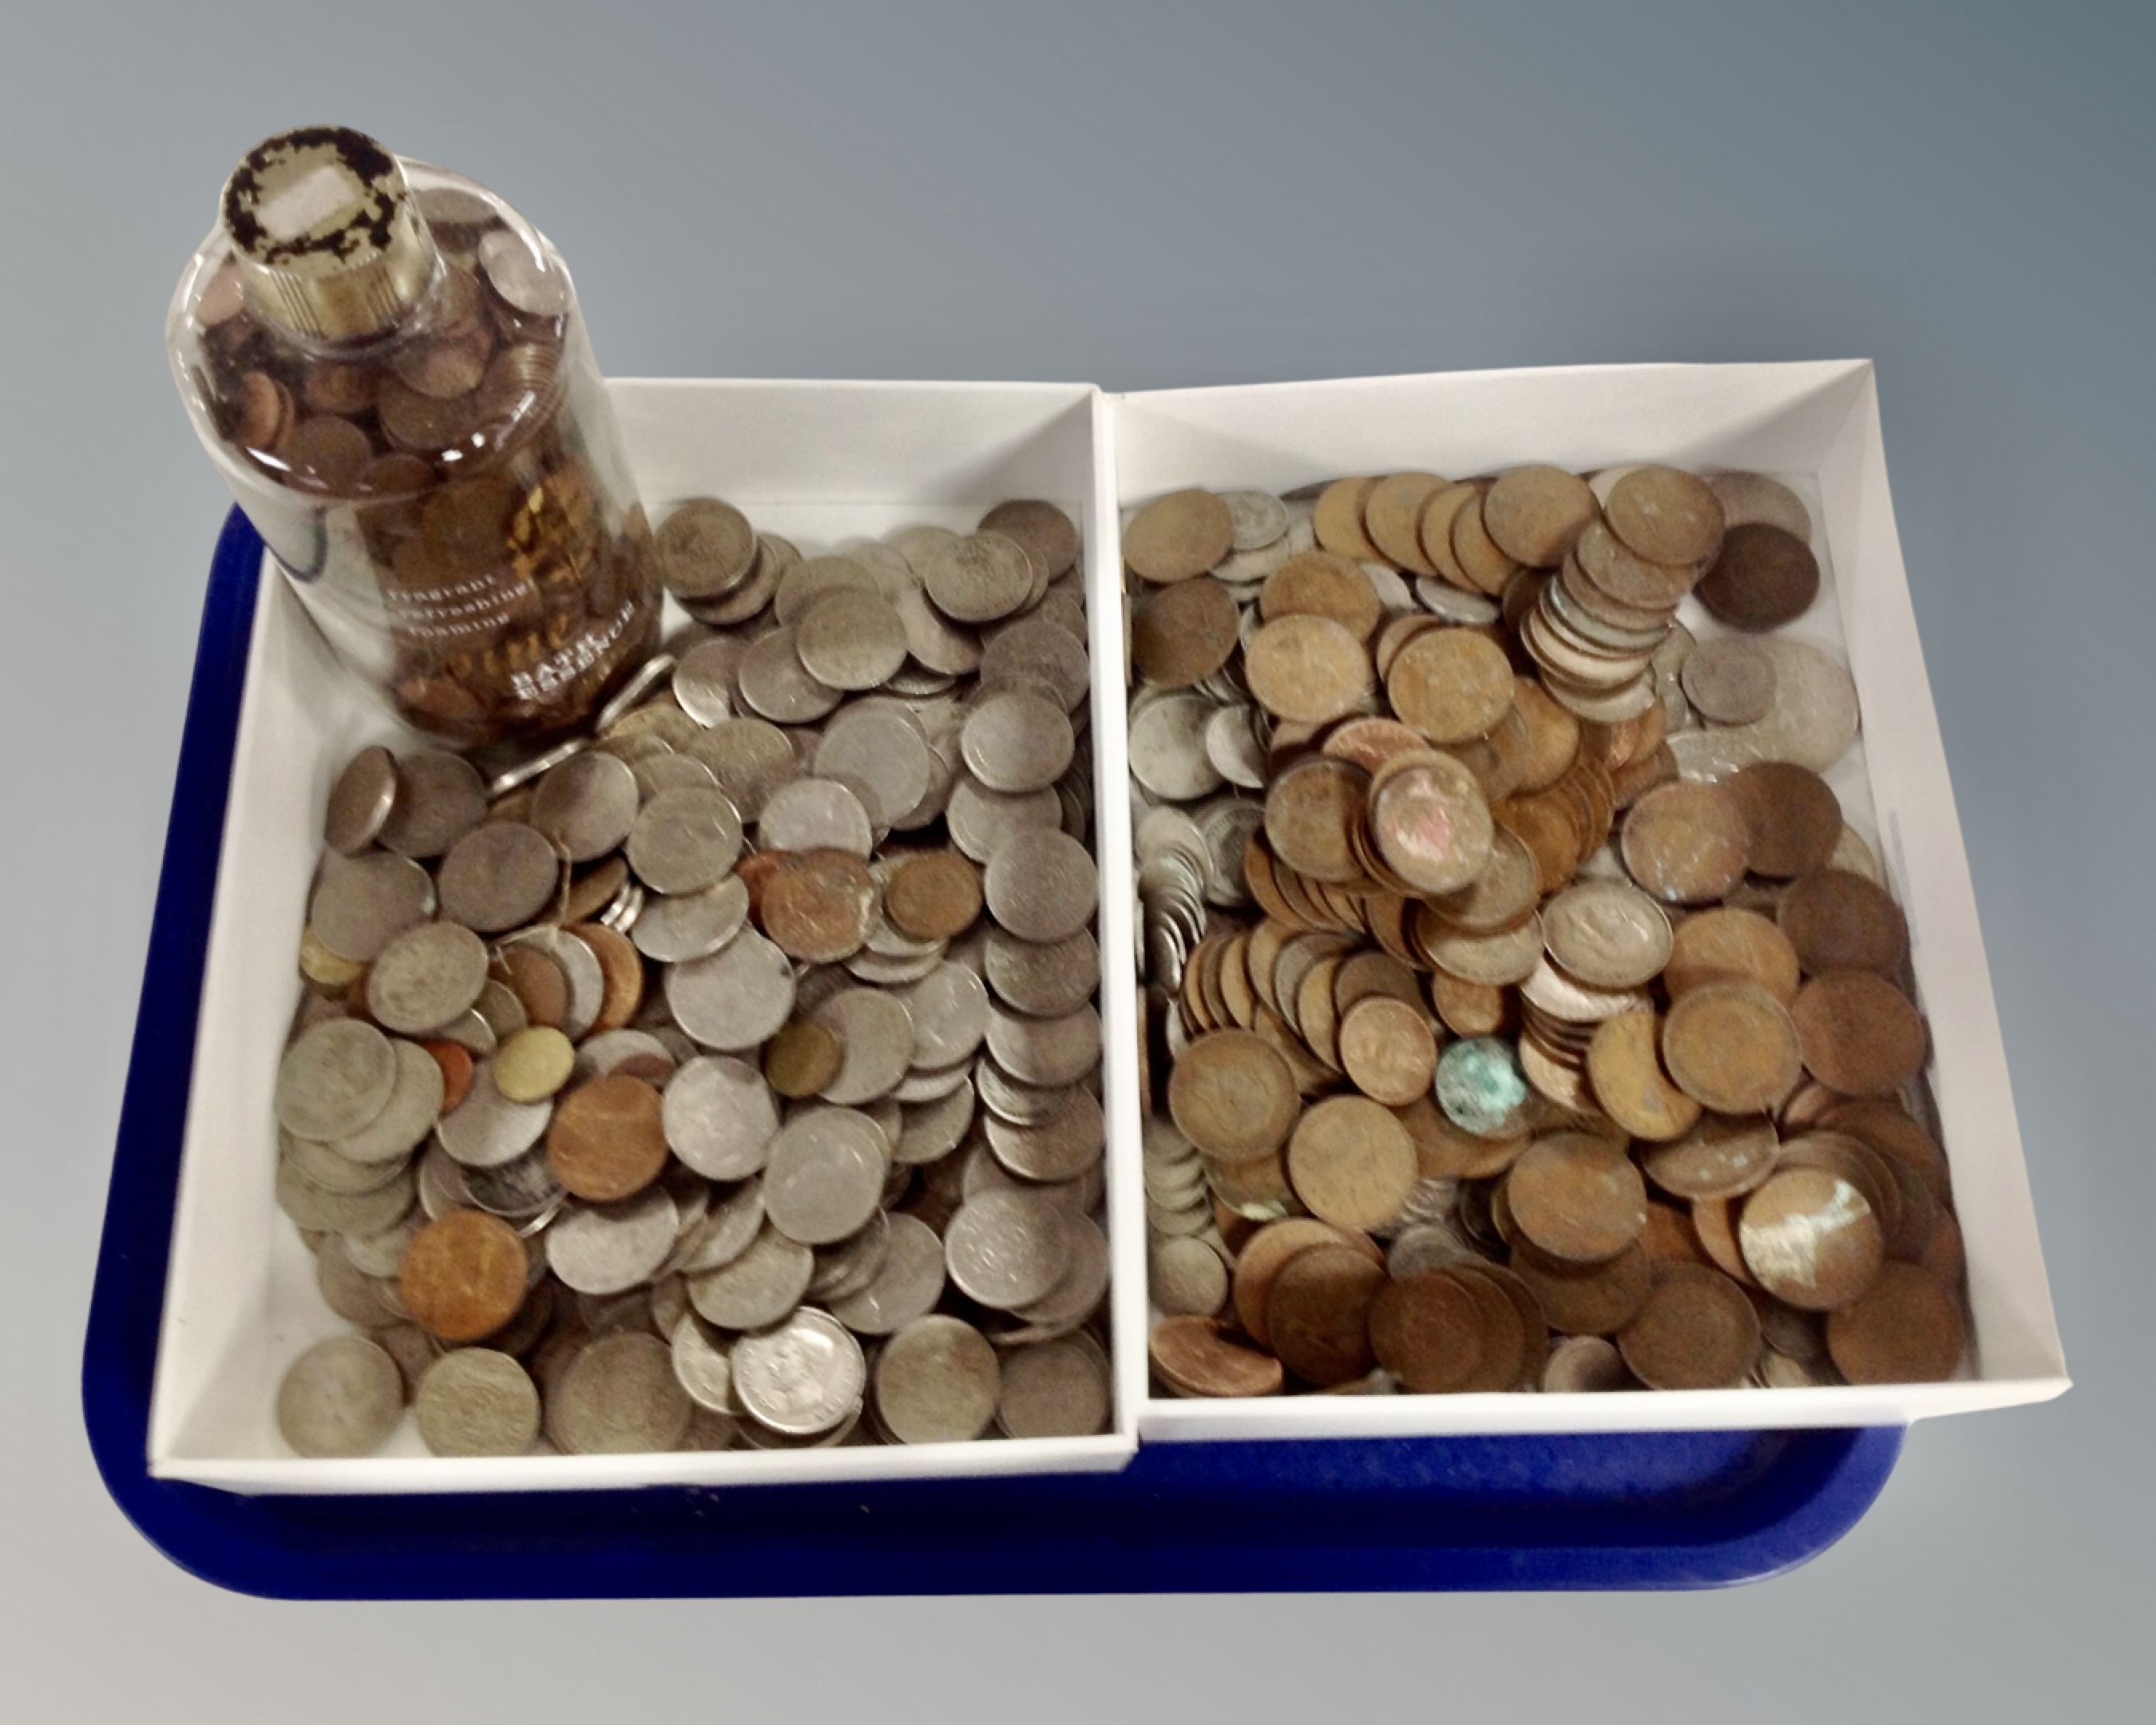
[817, 462]
[1817, 425]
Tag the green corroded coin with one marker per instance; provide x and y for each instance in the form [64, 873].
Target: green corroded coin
[1481, 1087]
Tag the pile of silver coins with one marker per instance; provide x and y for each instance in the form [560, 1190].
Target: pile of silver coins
[730, 1074]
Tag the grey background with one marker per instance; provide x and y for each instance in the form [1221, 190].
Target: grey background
[1146, 195]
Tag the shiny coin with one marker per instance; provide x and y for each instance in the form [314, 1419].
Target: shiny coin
[464, 1276]
[802, 1377]
[814, 815]
[343, 1397]
[735, 998]
[487, 1129]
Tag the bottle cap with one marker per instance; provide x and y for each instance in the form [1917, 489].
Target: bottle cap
[328, 240]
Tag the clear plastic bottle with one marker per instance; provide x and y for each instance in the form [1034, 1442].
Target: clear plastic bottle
[387, 363]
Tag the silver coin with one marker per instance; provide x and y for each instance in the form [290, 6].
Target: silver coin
[880, 751]
[1579, 1364]
[703, 1366]
[610, 1248]
[426, 976]
[824, 1175]
[932, 1129]
[703, 680]
[691, 925]
[1729, 679]
[402, 1125]
[334, 1080]
[1036, 653]
[504, 1012]
[736, 998]
[728, 1228]
[801, 1378]
[949, 1008]
[610, 1050]
[719, 1117]
[876, 1032]
[981, 820]
[1041, 886]
[619, 1397]
[812, 580]
[1812, 721]
[476, 1401]
[499, 876]
[1045, 979]
[486, 1129]
[441, 1183]
[684, 841]
[1227, 824]
[1748, 497]
[585, 805]
[1045, 1051]
[1059, 1149]
[382, 1252]
[580, 969]
[1425, 1246]
[907, 1286]
[776, 684]
[349, 1292]
[524, 771]
[1077, 1293]
[363, 903]
[342, 1397]
[360, 800]
[918, 544]
[846, 1266]
[321, 1165]
[518, 1189]
[441, 797]
[1168, 746]
[815, 815]
[850, 640]
[624, 700]
[1007, 1249]
[1055, 1389]
[886, 972]
[1017, 740]
[1235, 747]
[945, 647]
[749, 758]
[938, 1381]
[979, 577]
[1259, 518]
[757, 1288]
[657, 774]
[1021, 1104]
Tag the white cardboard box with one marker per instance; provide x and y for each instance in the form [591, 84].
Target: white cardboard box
[824, 461]
[816, 462]
[1817, 423]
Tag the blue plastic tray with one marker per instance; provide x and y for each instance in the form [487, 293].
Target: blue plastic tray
[1694, 1509]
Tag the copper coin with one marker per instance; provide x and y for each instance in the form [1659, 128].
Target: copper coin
[1050, 536]
[803, 1058]
[1388, 1050]
[1232, 1095]
[1321, 583]
[608, 1141]
[1434, 532]
[1764, 576]
[935, 896]
[1729, 944]
[1338, 519]
[1622, 582]
[1577, 1197]
[1183, 633]
[1177, 537]
[1311, 812]
[1839, 921]
[1475, 552]
[1859, 1032]
[819, 906]
[1536, 514]
[1310, 668]
[1687, 844]
[1732, 1047]
[1666, 516]
[538, 983]
[1430, 823]
[1267, 1251]
[1200, 1356]
[1392, 518]
[1427, 1331]
[1587, 1299]
[1906, 1328]
[1626, 1068]
[1723, 1155]
[1809, 1238]
[1794, 817]
[1886, 1127]
[1318, 1313]
[1452, 684]
[621, 972]
[464, 1276]
[1696, 1330]
[1351, 1162]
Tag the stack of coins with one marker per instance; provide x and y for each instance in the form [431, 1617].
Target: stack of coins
[1524, 1013]
[729, 1074]
[504, 557]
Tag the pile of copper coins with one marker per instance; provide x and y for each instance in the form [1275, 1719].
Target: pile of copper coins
[729, 1075]
[506, 563]
[1522, 1012]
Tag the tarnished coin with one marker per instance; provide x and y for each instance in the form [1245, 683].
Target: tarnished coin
[1624, 1065]
[1204, 1356]
[607, 1141]
[1811, 1239]
[750, 758]
[619, 1397]
[1576, 1197]
[1233, 1096]
[1608, 934]
[705, 549]
[684, 841]
[1042, 886]
[851, 641]
[585, 805]
[1687, 844]
[758, 1286]
[1536, 514]
[441, 797]
[360, 800]
[364, 902]
[1318, 1313]
[933, 894]
[1905, 1329]
[487, 1129]
[1430, 823]
[736, 997]
[1481, 1089]
[426, 976]
[1732, 1047]
[1008, 1248]
[1764, 576]
[1839, 921]
[1793, 815]
[476, 1401]
[801, 1378]
[818, 905]
[1017, 740]
[611, 1248]
[907, 1285]
[1057, 1388]
[1695, 1332]
[499, 876]
[1730, 679]
[1050, 536]
[1427, 1330]
[1388, 1050]
[1729, 944]
[533, 1064]
[1452, 684]
[334, 1080]
[815, 815]
[1666, 515]
[1183, 633]
[1308, 668]
[1723, 1155]
[1178, 536]
[1859, 1034]
[979, 577]
[343, 1397]
[824, 1175]
[938, 1381]
[1595, 1299]
[690, 925]
[1352, 1163]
